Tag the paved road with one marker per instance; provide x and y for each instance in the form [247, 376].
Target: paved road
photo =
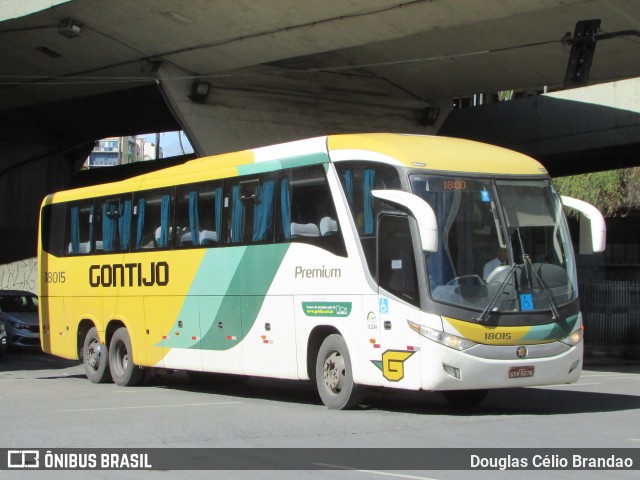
[49, 403]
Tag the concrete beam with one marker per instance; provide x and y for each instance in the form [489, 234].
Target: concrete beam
[239, 114]
[572, 131]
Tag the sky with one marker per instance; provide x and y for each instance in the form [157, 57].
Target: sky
[169, 143]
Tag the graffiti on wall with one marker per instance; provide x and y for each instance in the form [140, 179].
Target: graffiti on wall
[22, 275]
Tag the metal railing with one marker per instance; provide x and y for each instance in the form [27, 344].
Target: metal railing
[611, 313]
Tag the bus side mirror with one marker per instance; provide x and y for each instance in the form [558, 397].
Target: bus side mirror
[593, 231]
[419, 209]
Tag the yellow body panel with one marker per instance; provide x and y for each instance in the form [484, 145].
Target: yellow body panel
[206, 168]
[75, 300]
[441, 153]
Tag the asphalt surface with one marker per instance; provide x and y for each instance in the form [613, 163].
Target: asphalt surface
[49, 404]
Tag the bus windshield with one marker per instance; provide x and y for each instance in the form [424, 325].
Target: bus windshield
[503, 244]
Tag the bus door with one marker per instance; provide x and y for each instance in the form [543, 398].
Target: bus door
[399, 302]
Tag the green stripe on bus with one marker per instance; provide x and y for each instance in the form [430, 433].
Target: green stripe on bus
[226, 311]
[290, 162]
[552, 331]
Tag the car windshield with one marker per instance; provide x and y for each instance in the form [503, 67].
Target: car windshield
[18, 303]
[503, 243]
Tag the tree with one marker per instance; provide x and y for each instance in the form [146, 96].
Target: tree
[613, 192]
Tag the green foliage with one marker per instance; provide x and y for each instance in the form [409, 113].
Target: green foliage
[613, 192]
[505, 95]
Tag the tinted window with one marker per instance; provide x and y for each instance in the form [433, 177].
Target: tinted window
[151, 215]
[53, 228]
[112, 226]
[250, 206]
[198, 215]
[306, 211]
[79, 231]
[396, 259]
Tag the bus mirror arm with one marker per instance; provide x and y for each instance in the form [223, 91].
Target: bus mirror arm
[417, 208]
[596, 242]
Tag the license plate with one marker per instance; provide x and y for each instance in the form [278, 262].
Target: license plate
[521, 372]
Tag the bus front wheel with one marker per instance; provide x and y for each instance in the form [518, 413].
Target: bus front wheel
[123, 371]
[334, 377]
[95, 358]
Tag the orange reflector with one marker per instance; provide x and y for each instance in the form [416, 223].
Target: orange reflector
[414, 326]
[372, 340]
[263, 337]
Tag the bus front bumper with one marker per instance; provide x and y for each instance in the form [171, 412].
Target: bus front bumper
[444, 368]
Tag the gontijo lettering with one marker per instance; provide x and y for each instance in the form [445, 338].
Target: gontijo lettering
[129, 275]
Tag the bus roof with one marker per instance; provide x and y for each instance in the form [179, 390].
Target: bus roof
[414, 151]
[433, 153]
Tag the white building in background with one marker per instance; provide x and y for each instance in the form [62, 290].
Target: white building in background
[113, 151]
[148, 150]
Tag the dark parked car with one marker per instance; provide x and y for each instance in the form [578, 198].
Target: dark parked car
[3, 339]
[19, 314]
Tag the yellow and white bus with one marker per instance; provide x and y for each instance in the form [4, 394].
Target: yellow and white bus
[365, 260]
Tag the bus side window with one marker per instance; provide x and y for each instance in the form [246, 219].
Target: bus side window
[152, 215]
[358, 180]
[54, 226]
[396, 259]
[250, 216]
[112, 227]
[198, 215]
[80, 217]
[306, 212]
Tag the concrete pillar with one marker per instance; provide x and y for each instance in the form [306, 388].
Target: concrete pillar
[32, 164]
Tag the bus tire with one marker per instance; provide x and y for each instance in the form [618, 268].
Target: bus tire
[95, 358]
[123, 371]
[465, 398]
[334, 376]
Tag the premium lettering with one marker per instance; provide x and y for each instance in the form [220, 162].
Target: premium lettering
[129, 275]
[323, 272]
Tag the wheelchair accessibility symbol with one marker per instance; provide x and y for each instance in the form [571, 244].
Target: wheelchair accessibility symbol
[384, 305]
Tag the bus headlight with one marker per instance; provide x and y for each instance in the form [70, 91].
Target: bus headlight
[446, 339]
[573, 339]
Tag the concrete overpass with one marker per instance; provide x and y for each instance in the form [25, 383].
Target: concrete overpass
[76, 71]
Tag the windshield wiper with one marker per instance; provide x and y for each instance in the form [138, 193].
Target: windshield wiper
[490, 306]
[529, 269]
[552, 304]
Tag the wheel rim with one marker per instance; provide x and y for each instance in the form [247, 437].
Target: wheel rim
[93, 355]
[122, 357]
[334, 372]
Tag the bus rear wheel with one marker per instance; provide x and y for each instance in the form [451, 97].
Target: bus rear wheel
[123, 371]
[95, 358]
[334, 376]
